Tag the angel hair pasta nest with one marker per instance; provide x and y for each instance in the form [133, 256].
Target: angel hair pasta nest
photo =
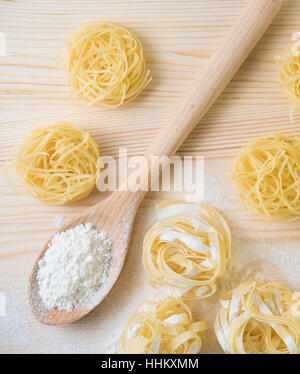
[266, 176]
[104, 64]
[259, 318]
[289, 73]
[58, 164]
[164, 327]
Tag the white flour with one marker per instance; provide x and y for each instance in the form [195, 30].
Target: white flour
[74, 266]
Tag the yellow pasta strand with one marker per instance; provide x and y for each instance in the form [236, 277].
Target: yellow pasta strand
[188, 249]
[266, 176]
[289, 73]
[104, 64]
[164, 327]
[58, 164]
[259, 318]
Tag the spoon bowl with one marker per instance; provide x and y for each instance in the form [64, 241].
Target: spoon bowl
[113, 215]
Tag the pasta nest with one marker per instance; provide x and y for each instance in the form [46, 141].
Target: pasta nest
[164, 327]
[58, 164]
[259, 318]
[188, 249]
[289, 73]
[266, 176]
[104, 64]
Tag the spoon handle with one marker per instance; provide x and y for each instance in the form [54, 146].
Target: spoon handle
[210, 81]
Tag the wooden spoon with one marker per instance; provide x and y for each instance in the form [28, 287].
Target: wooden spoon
[115, 214]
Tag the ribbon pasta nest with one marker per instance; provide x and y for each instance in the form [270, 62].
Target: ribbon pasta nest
[289, 73]
[104, 64]
[164, 327]
[58, 164]
[188, 249]
[259, 318]
[266, 176]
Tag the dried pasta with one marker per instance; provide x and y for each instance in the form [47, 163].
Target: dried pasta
[259, 318]
[58, 164]
[266, 176]
[188, 249]
[164, 327]
[104, 64]
[289, 73]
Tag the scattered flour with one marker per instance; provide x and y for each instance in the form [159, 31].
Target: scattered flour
[73, 267]
[256, 254]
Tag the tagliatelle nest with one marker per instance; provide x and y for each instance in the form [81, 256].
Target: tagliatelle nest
[104, 64]
[164, 327]
[188, 249]
[259, 318]
[266, 176]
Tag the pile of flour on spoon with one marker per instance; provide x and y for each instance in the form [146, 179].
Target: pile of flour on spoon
[73, 267]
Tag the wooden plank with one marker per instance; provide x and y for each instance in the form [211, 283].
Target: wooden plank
[178, 37]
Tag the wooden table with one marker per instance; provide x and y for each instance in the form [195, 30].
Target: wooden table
[178, 37]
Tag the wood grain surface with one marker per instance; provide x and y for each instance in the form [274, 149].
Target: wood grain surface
[178, 37]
